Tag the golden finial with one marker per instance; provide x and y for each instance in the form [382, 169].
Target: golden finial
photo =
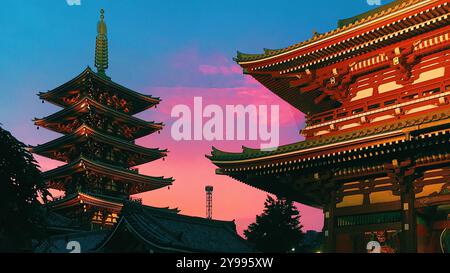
[101, 46]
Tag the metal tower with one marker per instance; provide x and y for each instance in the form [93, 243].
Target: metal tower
[209, 191]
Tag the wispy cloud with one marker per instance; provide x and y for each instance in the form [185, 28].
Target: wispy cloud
[219, 70]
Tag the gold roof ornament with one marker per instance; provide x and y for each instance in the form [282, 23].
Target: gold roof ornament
[101, 46]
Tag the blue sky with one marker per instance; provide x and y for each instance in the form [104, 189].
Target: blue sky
[46, 42]
[49, 34]
[157, 47]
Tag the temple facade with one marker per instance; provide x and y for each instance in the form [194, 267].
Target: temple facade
[97, 212]
[376, 157]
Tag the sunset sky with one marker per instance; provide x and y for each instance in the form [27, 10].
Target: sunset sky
[172, 49]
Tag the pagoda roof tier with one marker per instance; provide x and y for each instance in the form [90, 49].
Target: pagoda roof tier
[81, 198]
[384, 17]
[141, 183]
[85, 133]
[73, 87]
[86, 105]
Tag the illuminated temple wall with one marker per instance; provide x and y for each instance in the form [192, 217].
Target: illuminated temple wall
[376, 155]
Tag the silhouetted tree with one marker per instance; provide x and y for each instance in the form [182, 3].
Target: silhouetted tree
[277, 229]
[21, 188]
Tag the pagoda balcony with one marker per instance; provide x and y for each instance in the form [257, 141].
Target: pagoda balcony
[67, 148]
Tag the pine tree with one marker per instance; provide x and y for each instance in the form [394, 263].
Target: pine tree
[21, 188]
[277, 229]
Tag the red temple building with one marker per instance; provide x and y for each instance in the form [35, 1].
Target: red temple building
[376, 154]
[100, 176]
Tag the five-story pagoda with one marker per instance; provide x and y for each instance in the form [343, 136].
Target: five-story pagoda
[98, 145]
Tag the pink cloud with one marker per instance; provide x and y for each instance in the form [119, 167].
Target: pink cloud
[232, 199]
[197, 75]
[192, 67]
[240, 95]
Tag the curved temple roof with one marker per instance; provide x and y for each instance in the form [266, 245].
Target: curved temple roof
[159, 230]
[172, 232]
[142, 102]
[83, 164]
[343, 25]
[88, 199]
[300, 74]
[84, 106]
[220, 157]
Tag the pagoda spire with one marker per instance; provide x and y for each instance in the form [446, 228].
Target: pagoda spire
[101, 46]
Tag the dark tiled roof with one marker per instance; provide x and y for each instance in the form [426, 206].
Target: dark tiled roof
[183, 233]
[55, 220]
[89, 242]
[160, 227]
[376, 12]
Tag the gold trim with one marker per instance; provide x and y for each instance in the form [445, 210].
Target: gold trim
[426, 2]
